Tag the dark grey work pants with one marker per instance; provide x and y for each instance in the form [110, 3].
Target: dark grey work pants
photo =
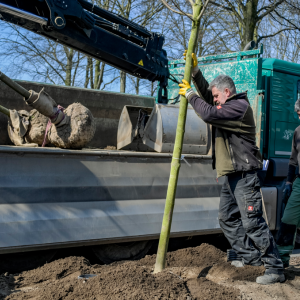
[240, 217]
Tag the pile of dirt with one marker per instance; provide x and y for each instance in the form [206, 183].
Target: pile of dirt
[201, 256]
[199, 273]
[223, 271]
[203, 289]
[54, 270]
[121, 281]
[126, 280]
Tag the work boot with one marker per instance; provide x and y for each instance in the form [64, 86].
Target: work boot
[270, 278]
[237, 263]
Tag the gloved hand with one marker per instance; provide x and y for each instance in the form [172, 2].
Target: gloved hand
[186, 89]
[287, 192]
[195, 62]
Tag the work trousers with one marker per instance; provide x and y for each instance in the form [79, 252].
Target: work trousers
[290, 221]
[240, 217]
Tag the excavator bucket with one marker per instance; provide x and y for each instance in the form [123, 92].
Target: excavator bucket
[131, 125]
[155, 128]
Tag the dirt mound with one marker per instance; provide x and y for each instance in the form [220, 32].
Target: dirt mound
[54, 270]
[199, 273]
[201, 256]
[122, 281]
[203, 289]
[226, 271]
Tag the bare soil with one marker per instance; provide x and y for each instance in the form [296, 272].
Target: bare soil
[200, 273]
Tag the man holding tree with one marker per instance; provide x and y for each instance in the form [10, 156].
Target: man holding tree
[236, 156]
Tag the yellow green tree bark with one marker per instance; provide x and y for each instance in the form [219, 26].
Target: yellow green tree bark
[175, 164]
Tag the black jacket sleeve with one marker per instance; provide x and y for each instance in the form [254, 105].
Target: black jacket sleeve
[227, 116]
[201, 86]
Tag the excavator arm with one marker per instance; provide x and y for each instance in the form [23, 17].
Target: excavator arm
[96, 32]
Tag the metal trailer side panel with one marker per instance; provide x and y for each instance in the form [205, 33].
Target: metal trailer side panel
[53, 198]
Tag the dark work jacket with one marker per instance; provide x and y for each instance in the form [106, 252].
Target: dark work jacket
[233, 129]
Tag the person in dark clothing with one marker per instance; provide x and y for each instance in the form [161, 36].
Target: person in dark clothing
[236, 156]
[291, 217]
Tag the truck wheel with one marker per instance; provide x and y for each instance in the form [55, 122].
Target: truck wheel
[122, 251]
[19, 262]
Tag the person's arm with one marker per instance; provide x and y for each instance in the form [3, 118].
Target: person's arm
[228, 116]
[202, 87]
[199, 81]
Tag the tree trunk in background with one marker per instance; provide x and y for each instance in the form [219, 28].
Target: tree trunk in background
[250, 22]
[137, 86]
[87, 77]
[91, 67]
[99, 71]
[122, 82]
[69, 66]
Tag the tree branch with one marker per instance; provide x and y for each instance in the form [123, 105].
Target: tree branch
[231, 9]
[203, 9]
[235, 12]
[280, 16]
[272, 35]
[38, 51]
[191, 2]
[176, 11]
[222, 6]
[271, 8]
[109, 82]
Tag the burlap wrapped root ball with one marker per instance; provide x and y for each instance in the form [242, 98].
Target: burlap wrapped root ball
[27, 128]
[37, 128]
[78, 131]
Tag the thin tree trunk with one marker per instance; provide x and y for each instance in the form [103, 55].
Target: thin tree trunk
[90, 63]
[137, 86]
[175, 165]
[69, 67]
[76, 68]
[122, 82]
[101, 75]
[87, 72]
[97, 73]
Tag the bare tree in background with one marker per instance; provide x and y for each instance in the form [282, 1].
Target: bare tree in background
[39, 58]
[141, 12]
[247, 15]
[225, 26]
[45, 60]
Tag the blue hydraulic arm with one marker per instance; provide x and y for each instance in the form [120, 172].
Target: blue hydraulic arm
[96, 32]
